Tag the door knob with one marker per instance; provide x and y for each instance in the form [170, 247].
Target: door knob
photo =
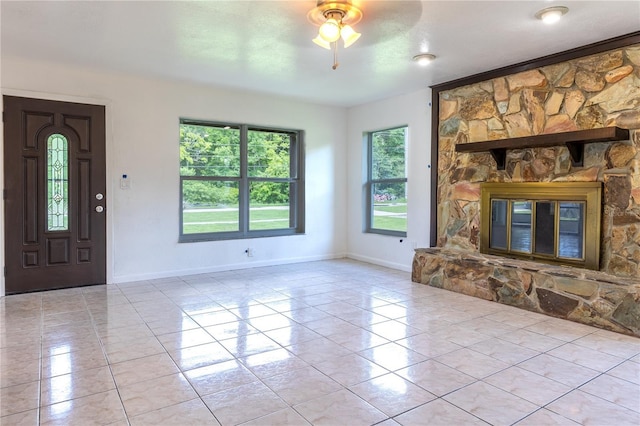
[99, 209]
[99, 196]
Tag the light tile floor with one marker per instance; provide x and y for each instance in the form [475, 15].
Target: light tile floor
[328, 343]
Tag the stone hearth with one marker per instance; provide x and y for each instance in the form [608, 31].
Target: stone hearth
[589, 297]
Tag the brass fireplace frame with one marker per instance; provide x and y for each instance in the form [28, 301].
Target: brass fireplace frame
[588, 192]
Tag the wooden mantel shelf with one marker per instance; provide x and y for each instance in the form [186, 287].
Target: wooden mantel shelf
[574, 141]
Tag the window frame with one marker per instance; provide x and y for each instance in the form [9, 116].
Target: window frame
[296, 185]
[371, 182]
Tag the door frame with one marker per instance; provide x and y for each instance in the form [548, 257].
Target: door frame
[111, 188]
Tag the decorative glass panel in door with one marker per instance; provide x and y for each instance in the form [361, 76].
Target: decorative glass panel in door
[57, 183]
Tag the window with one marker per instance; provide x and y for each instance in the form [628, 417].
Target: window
[386, 187]
[239, 181]
[550, 222]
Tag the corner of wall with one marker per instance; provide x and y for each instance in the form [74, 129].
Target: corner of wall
[412, 110]
[1, 179]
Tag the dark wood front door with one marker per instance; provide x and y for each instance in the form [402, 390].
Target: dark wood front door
[55, 199]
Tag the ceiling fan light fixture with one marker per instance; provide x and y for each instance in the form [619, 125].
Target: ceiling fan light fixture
[551, 15]
[322, 43]
[424, 59]
[349, 35]
[330, 30]
[335, 19]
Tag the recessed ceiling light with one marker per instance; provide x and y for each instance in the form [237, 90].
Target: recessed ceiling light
[424, 58]
[551, 15]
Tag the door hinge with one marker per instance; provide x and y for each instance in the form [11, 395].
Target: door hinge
[4, 194]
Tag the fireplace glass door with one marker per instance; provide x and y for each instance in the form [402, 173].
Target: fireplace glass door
[538, 222]
[544, 235]
[521, 226]
[571, 243]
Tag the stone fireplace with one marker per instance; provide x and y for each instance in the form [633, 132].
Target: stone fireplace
[580, 94]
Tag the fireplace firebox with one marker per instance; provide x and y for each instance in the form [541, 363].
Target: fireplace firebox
[551, 222]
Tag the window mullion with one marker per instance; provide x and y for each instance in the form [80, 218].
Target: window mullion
[244, 181]
[293, 202]
[394, 180]
[369, 189]
[293, 156]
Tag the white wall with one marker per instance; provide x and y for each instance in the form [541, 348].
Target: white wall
[142, 142]
[414, 111]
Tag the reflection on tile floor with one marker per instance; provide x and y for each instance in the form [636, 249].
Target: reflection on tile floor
[331, 342]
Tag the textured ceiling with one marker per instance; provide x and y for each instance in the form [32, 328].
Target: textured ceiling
[265, 46]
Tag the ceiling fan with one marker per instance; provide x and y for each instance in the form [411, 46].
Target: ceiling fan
[335, 19]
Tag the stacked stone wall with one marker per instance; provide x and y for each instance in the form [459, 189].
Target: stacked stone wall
[591, 92]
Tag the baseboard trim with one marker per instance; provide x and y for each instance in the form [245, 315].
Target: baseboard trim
[381, 262]
[219, 268]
